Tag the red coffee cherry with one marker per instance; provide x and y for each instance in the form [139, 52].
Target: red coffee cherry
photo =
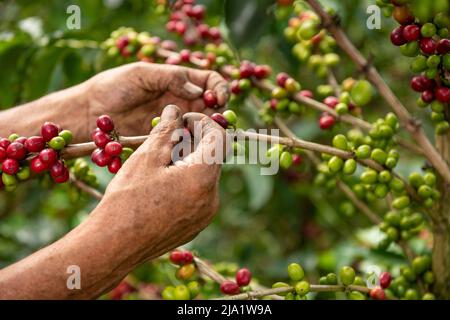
[10, 166]
[421, 83]
[4, 143]
[37, 166]
[235, 88]
[210, 99]
[57, 169]
[427, 45]
[246, 70]
[122, 42]
[113, 148]
[229, 287]
[411, 32]
[297, 159]
[331, 101]
[48, 156]
[180, 27]
[101, 158]
[326, 122]
[16, 150]
[220, 119]
[397, 38]
[21, 140]
[49, 130]
[105, 123]
[35, 144]
[243, 277]
[62, 178]
[443, 46]
[101, 139]
[262, 71]
[281, 79]
[203, 30]
[427, 96]
[385, 279]
[185, 55]
[115, 165]
[3, 154]
[443, 94]
[377, 294]
[214, 33]
[188, 257]
[177, 257]
[307, 94]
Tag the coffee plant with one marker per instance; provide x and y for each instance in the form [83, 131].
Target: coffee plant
[361, 153]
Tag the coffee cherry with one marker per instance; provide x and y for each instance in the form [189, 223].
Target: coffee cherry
[23, 173]
[428, 30]
[35, 144]
[244, 84]
[326, 121]
[246, 70]
[356, 295]
[156, 121]
[105, 123]
[37, 165]
[427, 45]
[101, 139]
[115, 165]
[229, 287]
[379, 156]
[9, 180]
[377, 294]
[331, 279]
[4, 143]
[67, 136]
[49, 130]
[308, 29]
[230, 116]
[234, 87]
[101, 158]
[363, 151]
[340, 142]
[362, 92]
[177, 257]
[281, 79]
[302, 288]
[64, 177]
[113, 148]
[347, 275]
[285, 160]
[411, 32]
[421, 264]
[210, 99]
[16, 151]
[385, 280]
[349, 167]
[397, 38]
[188, 257]
[295, 272]
[10, 166]
[411, 294]
[181, 292]
[297, 159]
[186, 271]
[428, 296]
[57, 143]
[443, 94]
[292, 86]
[168, 293]
[3, 154]
[331, 101]
[342, 108]
[194, 289]
[220, 119]
[403, 15]
[262, 71]
[401, 202]
[21, 140]
[48, 156]
[443, 46]
[427, 96]
[243, 277]
[57, 169]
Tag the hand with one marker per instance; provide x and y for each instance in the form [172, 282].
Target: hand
[159, 205]
[136, 93]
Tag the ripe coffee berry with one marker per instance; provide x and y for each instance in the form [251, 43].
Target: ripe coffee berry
[262, 71]
[115, 165]
[427, 45]
[113, 148]
[331, 101]
[10, 166]
[385, 280]
[229, 287]
[377, 294]
[62, 178]
[16, 150]
[281, 79]
[37, 165]
[427, 96]
[411, 32]
[326, 122]
[35, 144]
[57, 169]
[21, 140]
[181, 257]
[397, 38]
[246, 70]
[48, 156]
[101, 139]
[2, 154]
[4, 143]
[105, 123]
[210, 99]
[49, 130]
[443, 94]
[101, 158]
[443, 46]
[220, 119]
[243, 277]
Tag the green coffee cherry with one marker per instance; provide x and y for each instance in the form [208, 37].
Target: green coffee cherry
[381, 191]
[168, 293]
[369, 176]
[295, 272]
[362, 92]
[429, 179]
[347, 275]
[411, 294]
[13, 136]
[393, 218]
[356, 295]
[401, 202]
[408, 274]
[419, 64]
[302, 288]
[341, 108]
[335, 164]
[230, 116]
[331, 279]
[384, 176]
[391, 162]
[279, 93]
[9, 180]
[275, 151]
[244, 84]
[280, 285]
[359, 281]
[428, 296]
[289, 296]
[425, 191]
[308, 29]
[156, 121]
[378, 156]
[340, 142]
[194, 289]
[349, 167]
[323, 280]
[363, 151]
[57, 143]
[392, 234]
[286, 160]
[428, 30]
[23, 174]
[392, 120]
[126, 153]
[421, 264]
[415, 179]
[397, 185]
[181, 292]
[67, 136]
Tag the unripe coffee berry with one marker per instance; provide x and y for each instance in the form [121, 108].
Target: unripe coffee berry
[156, 121]
[210, 99]
[35, 144]
[302, 288]
[105, 123]
[229, 287]
[57, 143]
[230, 116]
[347, 275]
[349, 167]
[67, 136]
[186, 271]
[23, 173]
[243, 277]
[181, 292]
[49, 130]
[295, 272]
[340, 142]
[286, 160]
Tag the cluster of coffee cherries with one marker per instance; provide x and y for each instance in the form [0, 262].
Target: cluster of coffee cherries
[21, 156]
[242, 280]
[187, 20]
[186, 271]
[242, 75]
[109, 153]
[428, 43]
[287, 157]
[313, 46]
[404, 286]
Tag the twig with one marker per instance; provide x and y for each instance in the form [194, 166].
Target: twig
[412, 125]
[84, 187]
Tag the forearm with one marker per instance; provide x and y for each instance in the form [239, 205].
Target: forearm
[97, 247]
[68, 108]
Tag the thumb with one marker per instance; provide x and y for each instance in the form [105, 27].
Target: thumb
[165, 136]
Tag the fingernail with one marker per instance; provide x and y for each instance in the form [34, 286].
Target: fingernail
[192, 88]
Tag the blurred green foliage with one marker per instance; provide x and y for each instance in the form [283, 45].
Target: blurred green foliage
[264, 222]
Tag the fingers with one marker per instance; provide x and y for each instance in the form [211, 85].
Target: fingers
[165, 136]
[211, 80]
[210, 140]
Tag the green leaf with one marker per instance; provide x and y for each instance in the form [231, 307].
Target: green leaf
[260, 187]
